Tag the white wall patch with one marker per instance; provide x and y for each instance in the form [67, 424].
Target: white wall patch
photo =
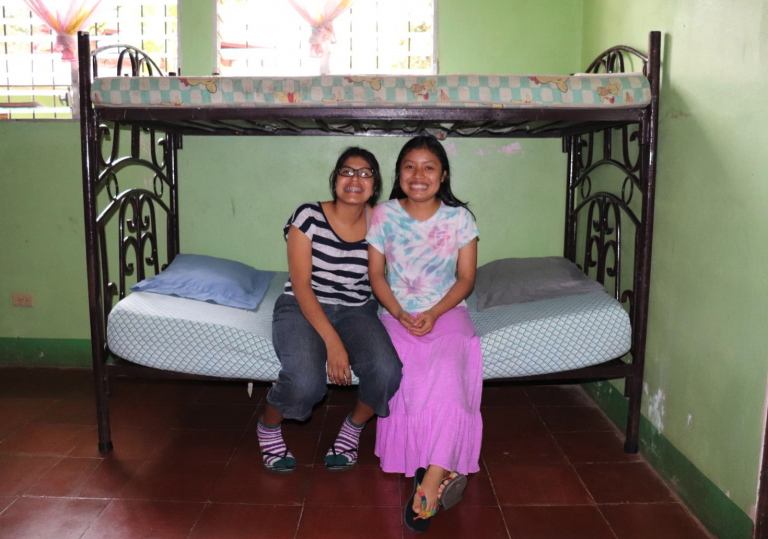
[656, 410]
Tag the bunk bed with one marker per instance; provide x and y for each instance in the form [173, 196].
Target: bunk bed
[606, 117]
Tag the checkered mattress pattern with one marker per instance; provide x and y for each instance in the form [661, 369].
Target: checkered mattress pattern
[195, 337]
[622, 90]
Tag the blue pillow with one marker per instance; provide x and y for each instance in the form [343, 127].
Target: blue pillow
[206, 278]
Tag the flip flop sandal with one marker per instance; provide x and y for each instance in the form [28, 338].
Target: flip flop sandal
[342, 467]
[453, 491]
[280, 470]
[420, 522]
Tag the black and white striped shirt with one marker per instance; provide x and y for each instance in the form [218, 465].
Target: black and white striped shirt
[339, 268]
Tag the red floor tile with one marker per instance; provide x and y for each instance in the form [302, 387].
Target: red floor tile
[49, 440]
[566, 395]
[534, 484]
[109, 478]
[350, 523]
[500, 395]
[173, 481]
[49, 518]
[632, 482]
[169, 391]
[11, 422]
[582, 447]
[362, 486]
[31, 405]
[49, 383]
[6, 501]
[233, 393]
[130, 444]
[463, 522]
[74, 410]
[18, 473]
[530, 448]
[196, 446]
[18, 411]
[313, 424]
[216, 417]
[660, 521]
[145, 415]
[66, 479]
[247, 481]
[557, 522]
[479, 491]
[187, 464]
[504, 423]
[575, 419]
[130, 519]
[237, 521]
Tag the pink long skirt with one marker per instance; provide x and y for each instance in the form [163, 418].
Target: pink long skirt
[435, 415]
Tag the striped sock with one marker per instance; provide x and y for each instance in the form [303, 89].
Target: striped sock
[343, 453]
[274, 452]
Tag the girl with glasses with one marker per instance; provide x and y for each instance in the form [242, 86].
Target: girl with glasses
[325, 325]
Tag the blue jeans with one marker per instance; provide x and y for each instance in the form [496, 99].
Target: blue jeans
[303, 376]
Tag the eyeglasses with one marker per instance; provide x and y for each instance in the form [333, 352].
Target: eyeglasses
[362, 173]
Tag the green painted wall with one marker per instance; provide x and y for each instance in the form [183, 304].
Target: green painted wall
[707, 339]
[236, 193]
[42, 243]
[509, 36]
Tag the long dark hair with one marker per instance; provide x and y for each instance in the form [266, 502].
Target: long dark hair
[354, 151]
[431, 144]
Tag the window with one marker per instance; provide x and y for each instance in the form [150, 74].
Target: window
[35, 82]
[263, 37]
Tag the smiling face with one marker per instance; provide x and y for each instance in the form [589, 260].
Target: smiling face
[354, 189]
[421, 175]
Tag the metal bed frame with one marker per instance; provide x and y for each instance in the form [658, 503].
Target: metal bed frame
[597, 215]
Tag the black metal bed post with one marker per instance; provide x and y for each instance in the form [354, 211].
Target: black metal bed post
[89, 149]
[571, 145]
[173, 145]
[649, 137]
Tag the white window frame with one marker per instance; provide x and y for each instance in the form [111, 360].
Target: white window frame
[216, 67]
[62, 89]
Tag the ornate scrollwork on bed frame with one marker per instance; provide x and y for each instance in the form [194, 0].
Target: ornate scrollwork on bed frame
[602, 247]
[138, 210]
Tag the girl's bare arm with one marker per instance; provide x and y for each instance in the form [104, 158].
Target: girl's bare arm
[300, 269]
[380, 286]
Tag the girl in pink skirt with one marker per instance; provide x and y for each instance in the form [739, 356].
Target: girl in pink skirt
[427, 240]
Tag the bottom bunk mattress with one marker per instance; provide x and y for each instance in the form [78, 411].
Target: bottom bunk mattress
[196, 337]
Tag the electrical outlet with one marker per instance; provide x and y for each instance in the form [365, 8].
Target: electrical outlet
[21, 299]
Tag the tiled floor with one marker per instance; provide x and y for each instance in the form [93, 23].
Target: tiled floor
[186, 465]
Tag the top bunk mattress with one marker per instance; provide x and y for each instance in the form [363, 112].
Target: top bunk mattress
[619, 90]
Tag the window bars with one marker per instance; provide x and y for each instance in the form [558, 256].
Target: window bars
[36, 84]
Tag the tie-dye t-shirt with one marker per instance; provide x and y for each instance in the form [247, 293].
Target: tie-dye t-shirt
[421, 255]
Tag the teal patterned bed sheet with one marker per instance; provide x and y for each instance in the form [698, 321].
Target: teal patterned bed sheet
[627, 90]
[195, 337]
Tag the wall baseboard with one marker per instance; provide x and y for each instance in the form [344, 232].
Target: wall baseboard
[718, 513]
[45, 352]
